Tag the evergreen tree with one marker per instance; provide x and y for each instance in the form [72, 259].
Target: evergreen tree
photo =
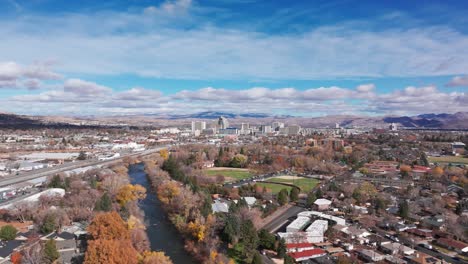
[266, 239]
[8, 232]
[288, 260]
[281, 250]
[104, 203]
[50, 251]
[404, 209]
[283, 197]
[310, 199]
[294, 194]
[249, 238]
[257, 259]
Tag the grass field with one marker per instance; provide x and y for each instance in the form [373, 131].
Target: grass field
[275, 188]
[306, 184]
[230, 174]
[448, 159]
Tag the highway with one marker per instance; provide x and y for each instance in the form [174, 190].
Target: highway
[35, 174]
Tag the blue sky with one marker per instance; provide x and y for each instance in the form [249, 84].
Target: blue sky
[284, 57]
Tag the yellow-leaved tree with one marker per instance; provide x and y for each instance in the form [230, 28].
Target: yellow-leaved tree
[130, 192]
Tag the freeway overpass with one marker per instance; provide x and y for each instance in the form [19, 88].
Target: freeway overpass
[35, 174]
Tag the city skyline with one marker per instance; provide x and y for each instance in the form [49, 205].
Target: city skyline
[183, 56]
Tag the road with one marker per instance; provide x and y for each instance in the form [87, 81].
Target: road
[276, 223]
[13, 179]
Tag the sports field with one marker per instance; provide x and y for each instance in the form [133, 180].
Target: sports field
[230, 174]
[448, 159]
[306, 184]
[274, 188]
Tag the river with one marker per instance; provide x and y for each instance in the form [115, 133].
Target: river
[162, 234]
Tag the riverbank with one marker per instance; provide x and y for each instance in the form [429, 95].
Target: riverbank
[163, 236]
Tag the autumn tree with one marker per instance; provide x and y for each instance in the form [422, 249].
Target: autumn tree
[111, 251]
[155, 257]
[164, 154]
[16, 257]
[108, 226]
[405, 170]
[437, 172]
[130, 192]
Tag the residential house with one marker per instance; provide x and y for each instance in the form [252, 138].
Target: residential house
[370, 255]
[452, 244]
[322, 204]
[307, 254]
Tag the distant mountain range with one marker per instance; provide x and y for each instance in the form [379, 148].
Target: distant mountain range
[442, 121]
[214, 115]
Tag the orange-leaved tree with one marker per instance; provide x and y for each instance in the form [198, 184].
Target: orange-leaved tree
[108, 226]
[111, 251]
[154, 257]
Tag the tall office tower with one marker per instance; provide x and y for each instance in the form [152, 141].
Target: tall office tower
[245, 126]
[294, 130]
[277, 125]
[198, 126]
[223, 123]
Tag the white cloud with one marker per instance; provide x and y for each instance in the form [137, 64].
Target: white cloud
[84, 88]
[190, 47]
[458, 81]
[170, 7]
[30, 76]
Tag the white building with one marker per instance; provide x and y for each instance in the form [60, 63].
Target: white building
[298, 224]
[198, 126]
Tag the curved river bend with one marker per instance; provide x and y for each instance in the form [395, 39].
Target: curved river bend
[162, 234]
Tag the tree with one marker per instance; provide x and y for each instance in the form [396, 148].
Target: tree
[49, 224]
[239, 161]
[249, 238]
[288, 260]
[310, 199]
[281, 249]
[257, 259]
[8, 232]
[283, 197]
[56, 182]
[437, 172]
[82, 156]
[104, 203]
[164, 153]
[16, 257]
[404, 209]
[405, 170]
[155, 257]
[108, 226]
[50, 251]
[130, 192]
[294, 194]
[266, 239]
[111, 251]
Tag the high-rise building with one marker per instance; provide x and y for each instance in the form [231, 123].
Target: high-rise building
[277, 125]
[293, 130]
[265, 129]
[245, 126]
[223, 123]
[393, 127]
[198, 126]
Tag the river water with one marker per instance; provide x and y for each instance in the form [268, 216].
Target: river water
[162, 234]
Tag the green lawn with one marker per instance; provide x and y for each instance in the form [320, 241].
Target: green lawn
[275, 188]
[306, 184]
[448, 159]
[230, 174]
